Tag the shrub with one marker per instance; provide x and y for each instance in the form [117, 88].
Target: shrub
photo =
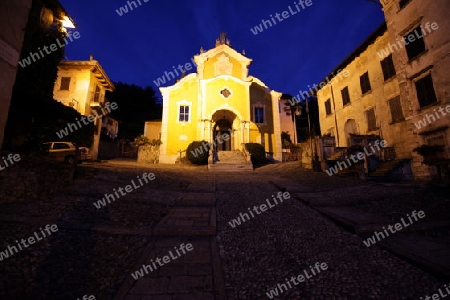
[295, 148]
[142, 140]
[285, 140]
[258, 154]
[198, 152]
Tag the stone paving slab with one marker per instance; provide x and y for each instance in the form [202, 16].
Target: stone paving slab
[196, 199]
[194, 275]
[406, 245]
[188, 221]
[355, 219]
[285, 184]
[202, 184]
[313, 199]
[338, 196]
[426, 252]
[363, 222]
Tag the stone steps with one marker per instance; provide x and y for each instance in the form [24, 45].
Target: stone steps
[230, 161]
[230, 167]
[386, 168]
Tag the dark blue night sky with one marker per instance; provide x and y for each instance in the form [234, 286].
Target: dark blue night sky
[139, 46]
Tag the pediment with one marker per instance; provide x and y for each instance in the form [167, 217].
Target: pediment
[222, 60]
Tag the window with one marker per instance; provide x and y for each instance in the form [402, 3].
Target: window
[345, 96]
[403, 3]
[365, 83]
[396, 109]
[371, 120]
[387, 65]
[65, 83]
[184, 113]
[328, 107]
[425, 91]
[225, 93]
[96, 94]
[437, 139]
[414, 42]
[259, 115]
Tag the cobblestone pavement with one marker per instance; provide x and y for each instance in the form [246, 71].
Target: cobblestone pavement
[285, 240]
[95, 250]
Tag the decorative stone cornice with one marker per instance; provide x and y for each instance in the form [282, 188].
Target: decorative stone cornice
[387, 3]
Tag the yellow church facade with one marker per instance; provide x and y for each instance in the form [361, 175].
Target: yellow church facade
[220, 99]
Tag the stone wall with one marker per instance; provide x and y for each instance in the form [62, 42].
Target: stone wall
[32, 178]
[306, 156]
[148, 154]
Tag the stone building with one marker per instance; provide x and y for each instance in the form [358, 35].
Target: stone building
[365, 105]
[219, 99]
[397, 90]
[82, 85]
[422, 65]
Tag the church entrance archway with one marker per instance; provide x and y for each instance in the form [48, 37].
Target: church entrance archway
[222, 131]
[222, 135]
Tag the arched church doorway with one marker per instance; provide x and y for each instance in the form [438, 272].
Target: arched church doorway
[222, 135]
[222, 131]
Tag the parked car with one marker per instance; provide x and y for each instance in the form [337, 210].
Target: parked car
[65, 152]
[84, 153]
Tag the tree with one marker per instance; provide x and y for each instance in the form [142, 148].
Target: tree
[136, 105]
[292, 108]
[34, 116]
